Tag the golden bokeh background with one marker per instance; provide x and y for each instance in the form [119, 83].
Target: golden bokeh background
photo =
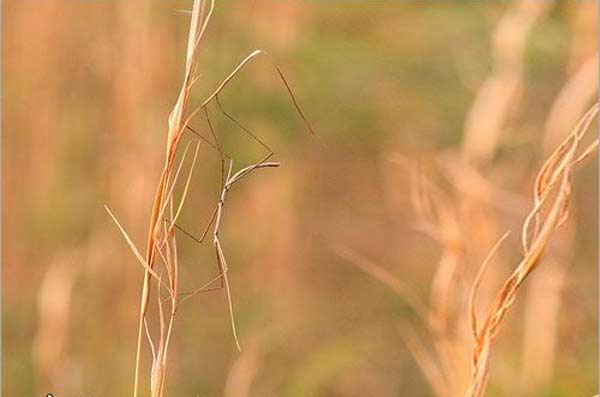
[87, 89]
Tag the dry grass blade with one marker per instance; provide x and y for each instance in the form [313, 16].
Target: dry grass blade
[157, 374]
[499, 93]
[438, 366]
[175, 179]
[572, 101]
[554, 177]
[385, 277]
[552, 170]
[185, 190]
[177, 124]
[212, 96]
[440, 216]
[425, 360]
[477, 281]
[132, 246]
[150, 341]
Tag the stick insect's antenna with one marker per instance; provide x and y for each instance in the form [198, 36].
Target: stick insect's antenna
[296, 105]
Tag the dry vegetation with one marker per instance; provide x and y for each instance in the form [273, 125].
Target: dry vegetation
[443, 219]
[487, 319]
[162, 244]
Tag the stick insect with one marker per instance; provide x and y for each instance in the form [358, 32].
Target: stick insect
[228, 179]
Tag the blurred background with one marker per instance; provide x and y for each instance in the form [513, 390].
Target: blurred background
[467, 98]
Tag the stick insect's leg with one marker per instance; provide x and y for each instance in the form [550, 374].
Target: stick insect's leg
[204, 288]
[237, 123]
[205, 140]
[199, 241]
[222, 155]
[204, 233]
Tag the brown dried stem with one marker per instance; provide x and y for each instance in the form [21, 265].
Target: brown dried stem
[554, 179]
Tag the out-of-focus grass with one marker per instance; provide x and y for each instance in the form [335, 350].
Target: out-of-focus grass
[374, 78]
